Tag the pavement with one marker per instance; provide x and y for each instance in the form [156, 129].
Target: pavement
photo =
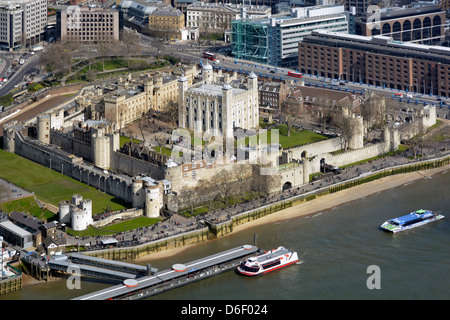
[11, 192]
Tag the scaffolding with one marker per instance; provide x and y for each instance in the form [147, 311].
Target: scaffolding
[250, 40]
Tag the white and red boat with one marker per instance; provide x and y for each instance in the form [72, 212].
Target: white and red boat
[267, 262]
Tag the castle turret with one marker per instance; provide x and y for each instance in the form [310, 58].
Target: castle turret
[43, 128]
[227, 110]
[395, 139]
[182, 104]
[76, 199]
[9, 139]
[357, 138]
[306, 170]
[137, 193]
[152, 200]
[254, 112]
[64, 211]
[207, 73]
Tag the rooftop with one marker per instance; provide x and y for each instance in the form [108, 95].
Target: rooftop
[213, 89]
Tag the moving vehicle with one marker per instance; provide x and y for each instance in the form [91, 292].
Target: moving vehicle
[209, 56]
[295, 74]
[412, 220]
[267, 262]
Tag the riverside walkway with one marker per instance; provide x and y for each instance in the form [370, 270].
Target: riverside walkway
[177, 224]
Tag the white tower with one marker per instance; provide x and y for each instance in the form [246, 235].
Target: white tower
[152, 200]
[64, 212]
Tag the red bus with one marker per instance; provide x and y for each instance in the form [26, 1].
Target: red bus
[295, 74]
[209, 56]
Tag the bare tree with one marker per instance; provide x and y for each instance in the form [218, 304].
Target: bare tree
[345, 127]
[171, 112]
[222, 182]
[290, 111]
[325, 113]
[131, 43]
[104, 49]
[57, 59]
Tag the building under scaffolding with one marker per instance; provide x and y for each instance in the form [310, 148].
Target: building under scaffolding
[250, 40]
[274, 39]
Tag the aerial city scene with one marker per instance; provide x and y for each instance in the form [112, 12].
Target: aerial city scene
[232, 151]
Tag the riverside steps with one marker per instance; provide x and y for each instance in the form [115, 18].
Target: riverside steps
[178, 275]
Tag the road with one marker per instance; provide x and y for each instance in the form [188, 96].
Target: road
[193, 53]
[30, 66]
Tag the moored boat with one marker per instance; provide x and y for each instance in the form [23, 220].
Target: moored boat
[412, 220]
[267, 262]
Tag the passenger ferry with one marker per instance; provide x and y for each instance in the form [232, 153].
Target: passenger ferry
[269, 261]
[412, 220]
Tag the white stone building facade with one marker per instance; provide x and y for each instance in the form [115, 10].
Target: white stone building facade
[211, 106]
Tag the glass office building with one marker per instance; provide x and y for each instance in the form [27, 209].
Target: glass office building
[274, 39]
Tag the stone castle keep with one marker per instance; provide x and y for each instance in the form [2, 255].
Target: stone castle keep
[67, 140]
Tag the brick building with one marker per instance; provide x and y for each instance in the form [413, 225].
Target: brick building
[412, 24]
[376, 60]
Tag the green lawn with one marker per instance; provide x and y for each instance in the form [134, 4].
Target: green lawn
[125, 139]
[26, 205]
[51, 186]
[297, 138]
[128, 225]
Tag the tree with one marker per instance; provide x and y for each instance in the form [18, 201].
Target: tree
[290, 111]
[131, 43]
[104, 49]
[325, 113]
[57, 59]
[90, 75]
[172, 112]
[345, 126]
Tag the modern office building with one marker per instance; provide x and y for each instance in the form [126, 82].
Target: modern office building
[274, 40]
[88, 25]
[377, 60]
[425, 24]
[22, 23]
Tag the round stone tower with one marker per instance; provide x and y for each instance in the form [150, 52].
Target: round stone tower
[43, 128]
[101, 151]
[207, 73]
[152, 201]
[306, 170]
[8, 139]
[64, 212]
[137, 193]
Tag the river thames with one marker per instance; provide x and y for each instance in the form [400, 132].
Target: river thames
[336, 248]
